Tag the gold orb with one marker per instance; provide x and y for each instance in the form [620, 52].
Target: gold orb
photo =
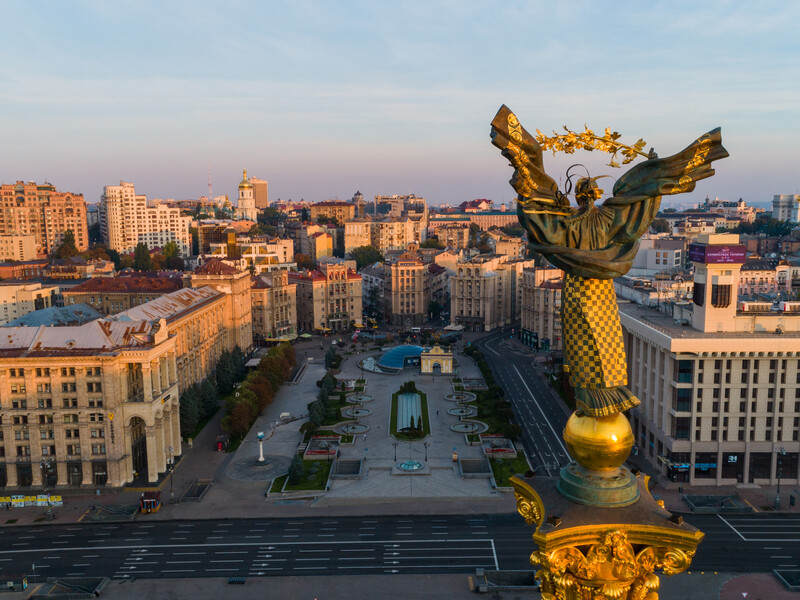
[599, 443]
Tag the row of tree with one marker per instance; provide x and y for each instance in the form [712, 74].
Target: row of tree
[319, 407]
[257, 390]
[201, 400]
[142, 259]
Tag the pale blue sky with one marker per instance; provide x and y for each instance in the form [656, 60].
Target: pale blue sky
[324, 98]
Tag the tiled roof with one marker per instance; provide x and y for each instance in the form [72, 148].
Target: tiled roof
[216, 267]
[130, 284]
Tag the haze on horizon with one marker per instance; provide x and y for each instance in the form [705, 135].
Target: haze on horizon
[323, 99]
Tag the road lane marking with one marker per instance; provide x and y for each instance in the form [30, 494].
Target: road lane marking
[736, 531]
[558, 439]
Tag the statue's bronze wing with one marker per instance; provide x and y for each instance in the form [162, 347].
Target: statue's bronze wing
[672, 175]
[534, 186]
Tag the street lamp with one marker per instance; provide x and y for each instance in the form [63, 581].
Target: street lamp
[781, 454]
[171, 465]
[426, 451]
[260, 436]
[395, 450]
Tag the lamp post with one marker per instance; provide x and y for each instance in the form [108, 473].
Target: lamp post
[426, 451]
[260, 436]
[395, 450]
[171, 465]
[781, 453]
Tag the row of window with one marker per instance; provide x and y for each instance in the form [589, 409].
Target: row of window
[45, 372]
[24, 450]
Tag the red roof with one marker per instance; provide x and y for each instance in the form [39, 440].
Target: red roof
[131, 284]
[216, 267]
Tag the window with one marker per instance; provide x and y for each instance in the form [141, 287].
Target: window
[96, 417]
[94, 386]
[19, 404]
[68, 371]
[23, 420]
[98, 432]
[70, 418]
[685, 371]
[68, 387]
[17, 388]
[98, 448]
[73, 449]
[69, 403]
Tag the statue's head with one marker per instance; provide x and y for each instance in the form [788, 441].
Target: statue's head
[587, 191]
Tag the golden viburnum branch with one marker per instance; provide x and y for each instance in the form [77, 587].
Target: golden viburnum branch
[588, 140]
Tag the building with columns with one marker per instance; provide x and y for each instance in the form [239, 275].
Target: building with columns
[93, 405]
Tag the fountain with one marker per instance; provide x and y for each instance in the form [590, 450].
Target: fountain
[410, 466]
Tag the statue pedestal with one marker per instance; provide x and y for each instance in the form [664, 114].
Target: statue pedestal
[595, 488]
[590, 552]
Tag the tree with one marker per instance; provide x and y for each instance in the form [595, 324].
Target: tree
[366, 255]
[189, 411]
[115, 258]
[210, 398]
[195, 240]
[304, 216]
[305, 262]
[141, 258]
[297, 470]
[226, 375]
[241, 418]
[660, 226]
[431, 242]
[172, 256]
[67, 247]
[419, 422]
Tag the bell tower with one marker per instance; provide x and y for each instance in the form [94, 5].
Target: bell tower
[246, 205]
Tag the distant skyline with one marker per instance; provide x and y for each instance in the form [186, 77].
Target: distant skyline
[323, 99]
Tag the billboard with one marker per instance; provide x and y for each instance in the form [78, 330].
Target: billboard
[717, 254]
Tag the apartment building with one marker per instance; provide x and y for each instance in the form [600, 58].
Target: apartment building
[384, 235]
[540, 313]
[41, 211]
[126, 219]
[332, 209]
[274, 302]
[19, 299]
[453, 235]
[786, 207]
[407, 293]
[486, 292]
[719, 383]
[18, 247]
[329, 298]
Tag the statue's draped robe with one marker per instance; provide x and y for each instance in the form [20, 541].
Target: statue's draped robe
[593, 247]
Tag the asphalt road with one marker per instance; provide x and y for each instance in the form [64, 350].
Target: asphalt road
[348, 546]
[541, 419]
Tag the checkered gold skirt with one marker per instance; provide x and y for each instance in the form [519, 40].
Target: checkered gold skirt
[593, 346]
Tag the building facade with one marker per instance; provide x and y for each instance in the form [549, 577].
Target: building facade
[88, 406]
[246, 202]
[18, 247]
[41, 211]
[274, 302]
[126, 219]
[332, 209]
[407, 293]
[786, 207]
[110, 295]
[260, 192]
[540, 314]
[719, 386]
[17, 300]
[329, 298]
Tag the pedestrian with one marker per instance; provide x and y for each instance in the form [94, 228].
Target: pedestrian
[365, 437]
[437, 412]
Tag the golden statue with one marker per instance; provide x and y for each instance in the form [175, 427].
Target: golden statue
[584, 551]
[593, 244]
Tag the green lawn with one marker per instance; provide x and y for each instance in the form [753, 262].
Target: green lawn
[277, 484]
[334, 414]
[506, 468]
[317, 480]
[426, 424]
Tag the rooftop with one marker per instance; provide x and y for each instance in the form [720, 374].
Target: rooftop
[127, 284]
[216, 267]
[170, 305]
[73, 314]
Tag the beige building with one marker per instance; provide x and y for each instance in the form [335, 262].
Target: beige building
[384, 235]
[19, 299]
[453, 235]
[258, 254]
[87, 406]
[513, 247]
[486, 292]
[407, 294]
[126, 219]
[17, 247]
[540, 315]
[110, 295]
[320, 244]
[260, 192]
[720, 387]
[41, 211]
[274, 302]
[332, 209]
[328, 299]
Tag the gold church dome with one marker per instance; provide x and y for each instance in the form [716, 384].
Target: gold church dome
[245, 183]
